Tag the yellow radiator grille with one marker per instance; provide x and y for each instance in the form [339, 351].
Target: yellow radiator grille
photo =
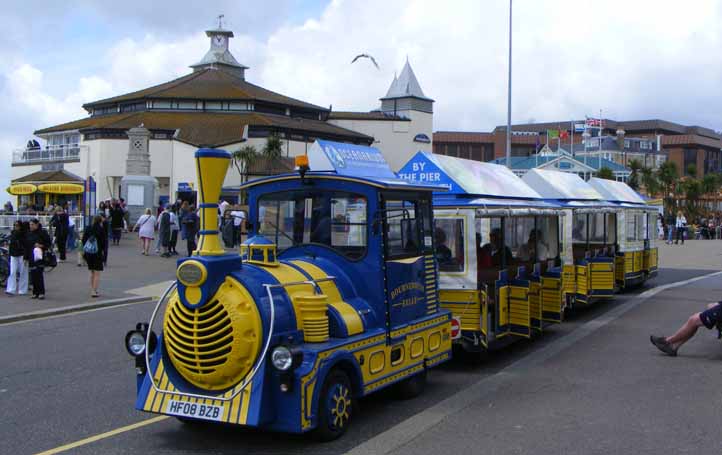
[215, 345]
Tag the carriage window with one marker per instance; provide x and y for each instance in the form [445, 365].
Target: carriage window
[611, 228]
[641, 226]
[449, 239]
[579, 228]
[596, 227]
[635, 227]
[548, 238]
[408, 227]
[520, 237]
[335, 219]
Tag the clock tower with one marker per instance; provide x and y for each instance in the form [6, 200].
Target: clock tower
[218, 56]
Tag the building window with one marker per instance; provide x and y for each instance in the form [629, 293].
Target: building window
[213, 105]
[690, 157]
[476, 152]
[627, 143]
[644, 145]
[233, 106]
[161, 104]
[187, 105]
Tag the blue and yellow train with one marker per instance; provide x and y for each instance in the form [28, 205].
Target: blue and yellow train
[333, 297]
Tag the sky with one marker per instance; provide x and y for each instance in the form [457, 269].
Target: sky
[631, 59]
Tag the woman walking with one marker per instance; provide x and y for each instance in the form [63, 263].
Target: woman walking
[94, 244]
[146, 229]
[18, 279]
[680, 225]
[174, 228]
[37, 242]
[116, 223]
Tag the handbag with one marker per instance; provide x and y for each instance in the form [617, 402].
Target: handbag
[49, 258]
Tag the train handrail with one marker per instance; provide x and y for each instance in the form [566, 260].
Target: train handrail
[260, 359]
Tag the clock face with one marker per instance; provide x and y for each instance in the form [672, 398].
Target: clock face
[219, 40]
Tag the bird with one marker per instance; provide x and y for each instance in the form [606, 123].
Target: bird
[373, 60]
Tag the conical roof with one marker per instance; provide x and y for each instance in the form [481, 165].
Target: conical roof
[405, 85]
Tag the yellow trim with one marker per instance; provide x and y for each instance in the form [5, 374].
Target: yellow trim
[284, 273]
[407, 260]
[200, 265]
[354, 324]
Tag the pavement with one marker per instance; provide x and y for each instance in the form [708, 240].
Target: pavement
[591, 385]
[128, 276]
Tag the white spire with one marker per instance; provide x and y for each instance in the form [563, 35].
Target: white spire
[405, 85]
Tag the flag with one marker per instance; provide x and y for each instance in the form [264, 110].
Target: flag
[564, 135]
[552, 134]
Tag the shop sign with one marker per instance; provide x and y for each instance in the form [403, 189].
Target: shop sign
[61, 188]
[21, 188]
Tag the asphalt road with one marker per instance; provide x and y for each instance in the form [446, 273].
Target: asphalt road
[69, 378]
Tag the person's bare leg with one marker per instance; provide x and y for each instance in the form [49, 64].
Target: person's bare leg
[685, 332]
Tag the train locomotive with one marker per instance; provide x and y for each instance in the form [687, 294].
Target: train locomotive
[332, 297]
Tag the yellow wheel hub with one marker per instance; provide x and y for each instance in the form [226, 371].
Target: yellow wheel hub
[213, 347]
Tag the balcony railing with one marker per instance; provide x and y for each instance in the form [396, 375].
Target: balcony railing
[49, 154]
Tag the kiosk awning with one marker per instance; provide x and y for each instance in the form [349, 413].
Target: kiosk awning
[20, 189]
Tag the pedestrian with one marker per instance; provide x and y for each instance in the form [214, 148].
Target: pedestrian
[38, 241]
[18, 279]
[174, 229]
[669, 222]
[239, 221]
[710, 318]
[126, 214]
[146, 229]
[228, 230]
[60, 223]
[680, 225]
[116, 222]
[660, 226]
[190, 226]
[94, 242]
[8, 207]
[164, 222]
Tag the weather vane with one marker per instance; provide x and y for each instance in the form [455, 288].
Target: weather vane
[220, 20]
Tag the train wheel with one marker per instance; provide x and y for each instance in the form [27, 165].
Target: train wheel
[335, 406]
[411, 387]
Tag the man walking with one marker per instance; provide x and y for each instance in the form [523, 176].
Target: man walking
[670, 227]
[61, 223]
[680, 225]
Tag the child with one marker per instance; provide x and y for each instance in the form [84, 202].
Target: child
[36, 272]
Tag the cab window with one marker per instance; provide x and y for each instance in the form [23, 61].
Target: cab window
[449, 244]
[408, 227]
[332, 218]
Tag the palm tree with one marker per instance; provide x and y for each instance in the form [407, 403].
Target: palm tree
[667, 176]
[605, 173]
[243, 160]
[273, 150]
[691, 170]
[650, 182]
[692, 189]
[710, 183]
[635, 166]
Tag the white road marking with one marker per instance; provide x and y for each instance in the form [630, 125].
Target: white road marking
[405, 431]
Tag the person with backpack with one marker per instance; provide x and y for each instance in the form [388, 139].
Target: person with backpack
[18, 279]
[94, 243]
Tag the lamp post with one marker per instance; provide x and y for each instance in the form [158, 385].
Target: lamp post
[508, 101]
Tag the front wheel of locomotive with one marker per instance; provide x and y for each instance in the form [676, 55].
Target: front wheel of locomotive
[335, 407]
[411, 387]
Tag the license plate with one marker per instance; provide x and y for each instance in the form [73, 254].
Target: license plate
[195, 410]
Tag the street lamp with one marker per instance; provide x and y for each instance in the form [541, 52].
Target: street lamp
[508, 101]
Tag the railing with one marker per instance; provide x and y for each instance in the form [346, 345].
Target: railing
[50, 153]
[8, 219]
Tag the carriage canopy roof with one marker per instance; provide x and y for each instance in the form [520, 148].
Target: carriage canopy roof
[466, 177]
[616, 191]
[559, 185]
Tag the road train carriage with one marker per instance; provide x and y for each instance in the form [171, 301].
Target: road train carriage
[498, 249]
[636, 259]
[590, 231]
[333, 296]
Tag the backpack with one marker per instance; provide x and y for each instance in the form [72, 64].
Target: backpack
[91, 245]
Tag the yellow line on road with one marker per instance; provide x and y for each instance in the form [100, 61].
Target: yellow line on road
[100, 436]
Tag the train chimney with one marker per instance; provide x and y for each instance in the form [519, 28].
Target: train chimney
[211, 168]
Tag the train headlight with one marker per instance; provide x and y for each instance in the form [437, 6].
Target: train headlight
[282, 358]
[135, 343]
[192, 273]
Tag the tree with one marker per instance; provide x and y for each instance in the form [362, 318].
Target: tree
[243, 159]
[692, 170]
[273, 150]
[710, 183]
[650, 181]
[667, 176]
[605, 173]
[692, 189]
[635, 166]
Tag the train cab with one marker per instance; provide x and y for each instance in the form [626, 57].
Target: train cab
[637, 257]
[590, 234]
[498, 249]
[332, 297]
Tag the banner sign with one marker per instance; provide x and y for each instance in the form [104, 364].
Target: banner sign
[349, 159]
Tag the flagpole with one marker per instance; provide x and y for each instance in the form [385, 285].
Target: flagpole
[571, 142]
[508, 102]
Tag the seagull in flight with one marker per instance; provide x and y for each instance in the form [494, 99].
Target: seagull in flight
[370, 57]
